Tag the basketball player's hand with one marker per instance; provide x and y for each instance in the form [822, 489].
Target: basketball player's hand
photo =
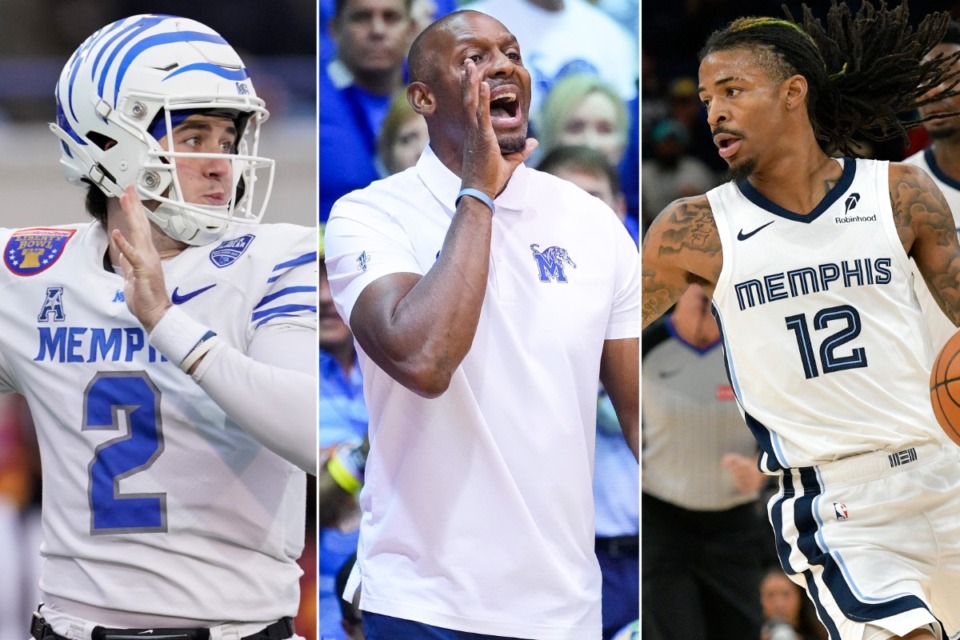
[143, 286]
[746, 477]
[485, 166]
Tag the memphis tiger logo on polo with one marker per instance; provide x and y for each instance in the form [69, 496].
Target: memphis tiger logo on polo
[551, 262]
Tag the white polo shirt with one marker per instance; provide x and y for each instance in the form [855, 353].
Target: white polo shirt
[478, 507]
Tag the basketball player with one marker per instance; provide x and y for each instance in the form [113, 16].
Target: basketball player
[166, 349]
[941, 160]
[487, 300]
[806, 258]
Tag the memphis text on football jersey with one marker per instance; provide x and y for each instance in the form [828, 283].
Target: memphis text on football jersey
[95, 344]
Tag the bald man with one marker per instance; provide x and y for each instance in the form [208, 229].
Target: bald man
[488, 300]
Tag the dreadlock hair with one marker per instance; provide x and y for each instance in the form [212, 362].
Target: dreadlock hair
[862, 70]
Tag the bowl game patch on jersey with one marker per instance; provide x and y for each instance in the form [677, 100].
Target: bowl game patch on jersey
[30, 251]
[228, 251]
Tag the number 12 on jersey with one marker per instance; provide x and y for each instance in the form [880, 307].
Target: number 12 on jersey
[829, 360]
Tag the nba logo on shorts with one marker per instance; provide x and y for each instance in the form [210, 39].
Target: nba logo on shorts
[841, 510]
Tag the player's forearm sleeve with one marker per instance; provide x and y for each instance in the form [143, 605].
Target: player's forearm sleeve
[271, 393]
[276, 406]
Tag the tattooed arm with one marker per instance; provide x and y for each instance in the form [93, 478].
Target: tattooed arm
[926, 228]
[681, 246]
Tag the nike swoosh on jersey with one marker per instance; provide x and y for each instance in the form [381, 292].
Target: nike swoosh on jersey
[177, 298]
[743, 236]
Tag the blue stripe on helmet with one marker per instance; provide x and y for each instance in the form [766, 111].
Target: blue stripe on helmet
[78, 58]
[64, 124]
[223, 72]
[131, 32]
[158, 40]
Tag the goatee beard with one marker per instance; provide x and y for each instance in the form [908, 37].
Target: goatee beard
[742, 171]
[512, 144]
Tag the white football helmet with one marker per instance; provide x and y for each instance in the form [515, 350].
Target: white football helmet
[125, 85]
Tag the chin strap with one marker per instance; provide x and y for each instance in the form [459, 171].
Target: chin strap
[172, 221]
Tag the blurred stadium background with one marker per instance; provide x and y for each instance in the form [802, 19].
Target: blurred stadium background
[277, 41]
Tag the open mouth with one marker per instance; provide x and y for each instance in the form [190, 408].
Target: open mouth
[504, 107]
[727, 144]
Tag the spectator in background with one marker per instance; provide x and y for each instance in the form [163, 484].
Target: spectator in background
[343, 428]
[562, 37]
[784, 602]
[685, 108]
[423, 12]
[625, 12]
[671, 173]
[402, 139]
[702, 530]
[654, 106]
[582, 109]
[590, 170]
[372, 38]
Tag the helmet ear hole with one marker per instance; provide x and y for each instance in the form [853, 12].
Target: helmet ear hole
[102, 141]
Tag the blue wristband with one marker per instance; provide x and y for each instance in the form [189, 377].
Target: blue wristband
[476, 193]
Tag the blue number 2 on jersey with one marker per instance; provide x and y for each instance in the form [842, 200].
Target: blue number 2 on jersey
[133, 398]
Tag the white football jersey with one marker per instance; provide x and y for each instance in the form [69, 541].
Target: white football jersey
[941, 328]
[154, 501]
[825, 342]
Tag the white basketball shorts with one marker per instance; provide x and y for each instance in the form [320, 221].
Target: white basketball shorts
[875, 540]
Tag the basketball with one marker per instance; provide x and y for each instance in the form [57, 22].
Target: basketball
[945, 388]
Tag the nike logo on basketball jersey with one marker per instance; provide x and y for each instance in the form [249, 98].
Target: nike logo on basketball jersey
[179, 298]
[744, 236]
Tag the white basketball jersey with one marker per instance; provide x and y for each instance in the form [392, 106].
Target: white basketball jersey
[941, 328]
[826, 346]
[154, 501]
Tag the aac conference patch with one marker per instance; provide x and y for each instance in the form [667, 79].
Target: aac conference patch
[30, 251]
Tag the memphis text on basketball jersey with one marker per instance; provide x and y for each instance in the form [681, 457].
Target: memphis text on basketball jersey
[806, 280]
